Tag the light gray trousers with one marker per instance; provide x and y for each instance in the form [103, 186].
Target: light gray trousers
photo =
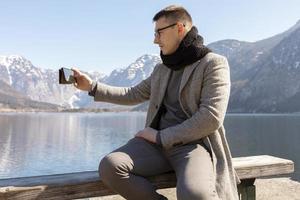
[124, 169]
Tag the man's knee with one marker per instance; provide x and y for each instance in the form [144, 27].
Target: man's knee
[113, 165]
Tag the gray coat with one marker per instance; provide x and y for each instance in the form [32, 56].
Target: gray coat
[203, 95]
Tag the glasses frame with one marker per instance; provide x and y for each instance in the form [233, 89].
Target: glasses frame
[157, 32]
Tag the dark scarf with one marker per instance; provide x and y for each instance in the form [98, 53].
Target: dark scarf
[189, 51]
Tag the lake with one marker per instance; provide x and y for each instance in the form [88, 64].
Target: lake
[52, 143]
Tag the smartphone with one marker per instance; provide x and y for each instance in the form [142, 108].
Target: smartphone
[66, 76]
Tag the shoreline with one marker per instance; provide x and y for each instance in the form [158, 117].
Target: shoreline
[92, 110]
[103, 110]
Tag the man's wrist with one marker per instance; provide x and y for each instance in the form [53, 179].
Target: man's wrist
[93, 89]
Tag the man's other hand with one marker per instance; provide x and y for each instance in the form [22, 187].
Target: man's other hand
[83, 81]
[148, 134]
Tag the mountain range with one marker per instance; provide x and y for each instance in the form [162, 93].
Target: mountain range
[264, 74]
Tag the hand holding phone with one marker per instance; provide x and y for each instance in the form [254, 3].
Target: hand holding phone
[81, 80]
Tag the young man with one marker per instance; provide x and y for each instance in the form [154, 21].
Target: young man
[184, 131]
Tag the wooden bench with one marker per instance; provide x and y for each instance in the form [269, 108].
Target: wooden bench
[88, 184]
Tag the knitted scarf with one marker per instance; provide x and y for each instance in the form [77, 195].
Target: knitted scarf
[189, 51]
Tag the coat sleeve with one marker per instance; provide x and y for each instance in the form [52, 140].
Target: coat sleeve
[209, 117]
[124, 95]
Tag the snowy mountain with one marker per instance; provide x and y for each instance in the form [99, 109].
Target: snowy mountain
[35, 83]
[12, 99]
[243, 56]
[265, 74]
[276, 82]
[135, 72]
[42, 84]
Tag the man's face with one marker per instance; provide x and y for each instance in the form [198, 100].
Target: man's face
[167, 39]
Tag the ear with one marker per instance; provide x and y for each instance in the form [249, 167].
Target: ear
[181, 29]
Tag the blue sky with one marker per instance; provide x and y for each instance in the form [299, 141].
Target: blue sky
[104, 35]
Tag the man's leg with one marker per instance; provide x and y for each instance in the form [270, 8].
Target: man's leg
[123, 169]
[194, 171]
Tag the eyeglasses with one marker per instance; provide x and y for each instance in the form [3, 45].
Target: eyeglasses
[157, 32]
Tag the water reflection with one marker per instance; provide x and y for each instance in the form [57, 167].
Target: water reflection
[35, 144]
[276, 135]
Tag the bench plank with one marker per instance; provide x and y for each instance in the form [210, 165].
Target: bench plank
[261, 166]
[88, 184]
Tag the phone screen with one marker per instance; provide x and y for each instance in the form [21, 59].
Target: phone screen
[69, 74]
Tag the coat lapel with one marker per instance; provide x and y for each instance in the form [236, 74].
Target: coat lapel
[186, 75]
[163, 83]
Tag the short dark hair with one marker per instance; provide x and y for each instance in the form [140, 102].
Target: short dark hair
[174, 13]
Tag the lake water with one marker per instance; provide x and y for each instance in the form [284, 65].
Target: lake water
[52, 143]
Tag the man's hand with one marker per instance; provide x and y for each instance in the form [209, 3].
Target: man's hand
[148, 134]
[83, 81]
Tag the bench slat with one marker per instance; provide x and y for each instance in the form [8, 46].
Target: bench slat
[260, 166]
[88, 184]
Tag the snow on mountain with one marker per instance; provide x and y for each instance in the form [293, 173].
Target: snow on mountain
[135, 72]
[42, 84]
[8, 61]
[265, 74]
[36, 83]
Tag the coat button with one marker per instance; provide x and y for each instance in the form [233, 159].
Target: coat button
[156, 106]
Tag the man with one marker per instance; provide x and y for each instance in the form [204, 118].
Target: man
[184, 131]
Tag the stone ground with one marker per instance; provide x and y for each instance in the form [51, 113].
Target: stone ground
[266, 189]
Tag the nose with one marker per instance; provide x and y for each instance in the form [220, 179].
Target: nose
[156, 40]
